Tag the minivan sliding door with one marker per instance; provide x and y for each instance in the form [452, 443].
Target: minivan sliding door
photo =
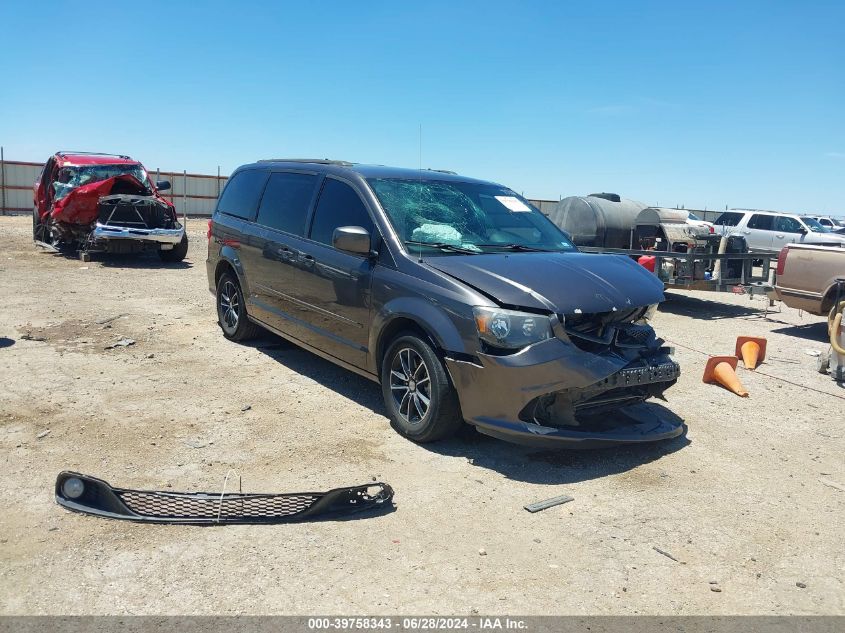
[284, 208]
[332, 285]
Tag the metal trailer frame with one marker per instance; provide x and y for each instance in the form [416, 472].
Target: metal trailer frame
[747, 283]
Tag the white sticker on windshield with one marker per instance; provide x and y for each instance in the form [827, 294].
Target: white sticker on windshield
[514, 204]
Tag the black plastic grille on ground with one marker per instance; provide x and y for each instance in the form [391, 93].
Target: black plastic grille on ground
[83, 493]
[187, 506]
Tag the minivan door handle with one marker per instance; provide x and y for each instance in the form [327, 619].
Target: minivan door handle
[779, 235]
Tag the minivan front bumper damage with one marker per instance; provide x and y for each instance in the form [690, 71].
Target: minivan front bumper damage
[554, 393]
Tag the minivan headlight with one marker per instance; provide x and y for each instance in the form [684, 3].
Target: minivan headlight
[510, 329]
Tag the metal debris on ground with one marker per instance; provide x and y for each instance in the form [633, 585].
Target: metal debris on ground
[548, 503]
[832, 484]
[124, 342]
[110, 319]
[31, 337]
[666, 554]
[47, 247]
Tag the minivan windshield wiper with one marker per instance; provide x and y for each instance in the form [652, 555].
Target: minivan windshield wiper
[444, 246]
[517, 247]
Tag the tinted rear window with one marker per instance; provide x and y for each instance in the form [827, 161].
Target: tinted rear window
[242, 192]
[339, 205]
[286, 200]
[729, 219]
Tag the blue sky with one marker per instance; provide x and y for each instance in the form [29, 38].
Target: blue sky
[696, 103]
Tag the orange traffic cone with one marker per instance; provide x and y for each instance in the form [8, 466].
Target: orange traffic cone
[751, 350]
[722, 370]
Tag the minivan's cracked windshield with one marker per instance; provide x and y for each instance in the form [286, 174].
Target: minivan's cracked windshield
[446, 217]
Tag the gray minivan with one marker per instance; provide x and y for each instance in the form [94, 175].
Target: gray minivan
[461, 299]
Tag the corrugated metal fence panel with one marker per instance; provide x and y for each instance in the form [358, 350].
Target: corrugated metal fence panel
[709, 216]
[19, 201]
[546, 206]
[19, 178]
[196, 193]
[195, 185]
[22, 174]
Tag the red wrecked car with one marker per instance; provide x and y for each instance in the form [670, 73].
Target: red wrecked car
[105, 203]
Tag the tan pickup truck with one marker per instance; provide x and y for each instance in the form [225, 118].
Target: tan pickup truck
[806, 276]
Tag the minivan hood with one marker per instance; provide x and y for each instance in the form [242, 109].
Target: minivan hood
[564, 283]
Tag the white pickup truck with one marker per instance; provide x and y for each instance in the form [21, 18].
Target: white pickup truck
[806, 276]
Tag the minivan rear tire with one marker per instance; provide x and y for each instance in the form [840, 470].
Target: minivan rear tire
[231, 310]
[410, 359]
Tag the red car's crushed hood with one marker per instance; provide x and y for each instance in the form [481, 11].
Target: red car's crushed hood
[80, 205]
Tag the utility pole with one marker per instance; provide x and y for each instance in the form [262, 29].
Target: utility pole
[2, 181]
[185, 198]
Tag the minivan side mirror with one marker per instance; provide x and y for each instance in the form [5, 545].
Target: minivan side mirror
[352, 239]
[802, 230]
[162, 185]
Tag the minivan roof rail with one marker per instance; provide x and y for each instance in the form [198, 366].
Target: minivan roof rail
[442, 171]
[66, 152]
[319, 161]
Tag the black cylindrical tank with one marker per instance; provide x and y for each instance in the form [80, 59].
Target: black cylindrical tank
[599, 219]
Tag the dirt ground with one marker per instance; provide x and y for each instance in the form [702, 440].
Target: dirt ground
[748, 500]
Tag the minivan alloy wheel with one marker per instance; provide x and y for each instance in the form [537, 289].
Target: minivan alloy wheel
[232, 312]
[230, 306]
[421, 402]
[410, 384]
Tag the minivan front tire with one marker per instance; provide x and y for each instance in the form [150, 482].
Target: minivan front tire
[231, 310]
[421, 402]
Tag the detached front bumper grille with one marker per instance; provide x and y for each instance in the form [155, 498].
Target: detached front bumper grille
[82, 493]
[198, 505]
